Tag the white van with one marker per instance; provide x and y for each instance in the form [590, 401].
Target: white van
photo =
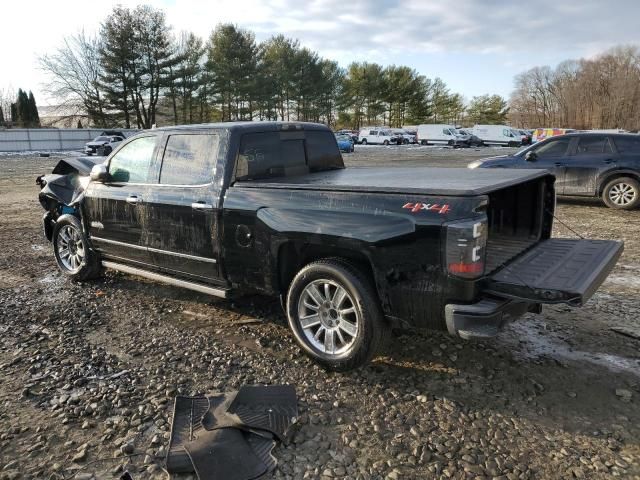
[498, 135]
[437, 134]
[376, 136]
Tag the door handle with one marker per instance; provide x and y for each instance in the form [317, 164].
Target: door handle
[201, 206]
[609, 160]
[558, 164]
[133, 199]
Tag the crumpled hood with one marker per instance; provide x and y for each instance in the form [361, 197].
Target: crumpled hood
[66, 183]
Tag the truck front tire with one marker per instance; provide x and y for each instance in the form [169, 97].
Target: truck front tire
[334, 314]
[71, 249]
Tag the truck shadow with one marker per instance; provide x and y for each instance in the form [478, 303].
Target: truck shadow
[551, 392]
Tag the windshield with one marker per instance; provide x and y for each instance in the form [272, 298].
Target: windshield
[101, 139]
[343, 137]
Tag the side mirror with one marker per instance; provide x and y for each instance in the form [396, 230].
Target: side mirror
[99, 173]
[530, 156]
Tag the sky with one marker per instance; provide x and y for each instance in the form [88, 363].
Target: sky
[475, 46]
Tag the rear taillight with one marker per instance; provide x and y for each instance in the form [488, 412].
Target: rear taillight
[465, 249]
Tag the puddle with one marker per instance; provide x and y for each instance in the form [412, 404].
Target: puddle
[539, 345]
[625, 275]
[50, 278]
[626, 280]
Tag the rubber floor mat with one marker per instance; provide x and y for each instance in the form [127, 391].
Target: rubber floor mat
[187, 416]
[224, 453]
[268, 408]
[230, 435]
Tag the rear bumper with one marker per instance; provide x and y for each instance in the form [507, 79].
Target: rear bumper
[554, 271]
[485, 318]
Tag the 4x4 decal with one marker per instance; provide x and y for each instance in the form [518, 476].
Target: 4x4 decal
[432, 207]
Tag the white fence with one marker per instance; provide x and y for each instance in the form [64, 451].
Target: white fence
[49, 139]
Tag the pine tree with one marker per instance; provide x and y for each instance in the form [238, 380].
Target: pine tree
[20, 112]
[1, 117]
[79, 124]
[232, 62]
[118, 58]
[34, 117]
[488, 109]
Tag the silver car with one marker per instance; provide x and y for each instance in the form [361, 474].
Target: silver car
[102, 145]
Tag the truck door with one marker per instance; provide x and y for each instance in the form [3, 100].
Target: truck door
[592, 154]
[114, 211]
[182, 227]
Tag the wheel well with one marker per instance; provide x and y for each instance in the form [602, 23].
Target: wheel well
[613, 176]
[292, 256]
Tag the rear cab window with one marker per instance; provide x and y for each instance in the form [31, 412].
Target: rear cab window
[189, 159]
[286, 154]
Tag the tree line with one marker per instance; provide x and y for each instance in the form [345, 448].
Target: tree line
[135, 73]
[598, 93]
[21, 109]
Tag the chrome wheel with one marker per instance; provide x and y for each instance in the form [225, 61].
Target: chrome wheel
[622, 194]
[328, 317]
[70, 248]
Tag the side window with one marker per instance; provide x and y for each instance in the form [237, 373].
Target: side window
[131, 163]
[189, 159]
[627, 145]
[264, 155]
[593, 144]
[322, 151]
[553, 148]
[445, 131]
[373, 132]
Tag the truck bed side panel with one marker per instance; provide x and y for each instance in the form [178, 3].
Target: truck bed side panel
[397, 236]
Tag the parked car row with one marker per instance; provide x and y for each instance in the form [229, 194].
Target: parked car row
[441, 134]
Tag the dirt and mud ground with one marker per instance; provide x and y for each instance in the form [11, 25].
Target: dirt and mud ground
[88, 372]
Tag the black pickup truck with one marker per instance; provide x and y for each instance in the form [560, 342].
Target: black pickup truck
[267, 207]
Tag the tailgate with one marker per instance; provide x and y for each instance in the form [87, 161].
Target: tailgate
[558, 270]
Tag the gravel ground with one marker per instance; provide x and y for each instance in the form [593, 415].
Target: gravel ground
[88, 371]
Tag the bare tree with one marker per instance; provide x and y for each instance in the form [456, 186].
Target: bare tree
[74, 72]
[603, 92]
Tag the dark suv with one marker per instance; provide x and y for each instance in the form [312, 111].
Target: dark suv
[584, 164]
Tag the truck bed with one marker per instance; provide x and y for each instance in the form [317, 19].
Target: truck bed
[419, 180]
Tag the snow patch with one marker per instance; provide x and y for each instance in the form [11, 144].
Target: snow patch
[538, 345]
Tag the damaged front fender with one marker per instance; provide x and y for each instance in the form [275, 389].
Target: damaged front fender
[63, 189]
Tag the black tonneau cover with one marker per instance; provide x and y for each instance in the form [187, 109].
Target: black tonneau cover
[420, 180]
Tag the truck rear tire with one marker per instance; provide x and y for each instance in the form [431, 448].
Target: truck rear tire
[622, 193]
[364, 141]
[335, 315]
[71, 249]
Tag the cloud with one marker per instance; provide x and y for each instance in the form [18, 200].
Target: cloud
[384, 31]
